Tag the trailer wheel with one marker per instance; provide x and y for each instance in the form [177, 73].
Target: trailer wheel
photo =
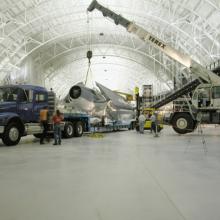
[68, 130]
[182, 123]
[12, 135]
[78, 129]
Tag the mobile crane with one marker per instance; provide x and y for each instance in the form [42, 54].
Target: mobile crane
[205, 87]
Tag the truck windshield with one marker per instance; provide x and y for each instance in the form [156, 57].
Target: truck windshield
[8, 94]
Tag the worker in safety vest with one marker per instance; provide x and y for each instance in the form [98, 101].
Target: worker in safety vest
[57, 118]
[44, 122]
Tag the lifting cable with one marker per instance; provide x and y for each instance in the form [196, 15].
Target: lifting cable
[89, 50]
[89, 56]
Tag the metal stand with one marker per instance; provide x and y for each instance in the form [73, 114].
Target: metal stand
[200, 132]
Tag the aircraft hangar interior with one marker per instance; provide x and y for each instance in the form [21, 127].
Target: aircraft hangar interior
[109, 109]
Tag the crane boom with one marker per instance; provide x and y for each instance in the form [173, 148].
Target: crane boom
[195, 68]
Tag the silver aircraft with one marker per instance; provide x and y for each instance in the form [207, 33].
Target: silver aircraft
[101, 103]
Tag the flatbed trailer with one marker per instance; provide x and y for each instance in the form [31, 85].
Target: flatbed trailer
[78, 123]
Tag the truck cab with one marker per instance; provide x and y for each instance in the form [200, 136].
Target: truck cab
[19, 105]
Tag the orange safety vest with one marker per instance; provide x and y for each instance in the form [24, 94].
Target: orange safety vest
[43, 114]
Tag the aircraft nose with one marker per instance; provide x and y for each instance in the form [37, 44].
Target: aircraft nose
[75, 92]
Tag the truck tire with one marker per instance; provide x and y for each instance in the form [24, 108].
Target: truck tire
[12, 134]
[183, 123]
[68, 130]
[78, 129]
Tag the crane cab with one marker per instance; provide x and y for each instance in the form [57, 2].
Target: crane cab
[206, 96]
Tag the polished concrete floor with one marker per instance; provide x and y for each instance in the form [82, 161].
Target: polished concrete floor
[122, 176]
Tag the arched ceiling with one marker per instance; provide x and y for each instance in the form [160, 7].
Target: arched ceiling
[57, 34]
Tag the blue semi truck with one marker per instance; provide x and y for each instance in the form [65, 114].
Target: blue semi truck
[20, 107]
